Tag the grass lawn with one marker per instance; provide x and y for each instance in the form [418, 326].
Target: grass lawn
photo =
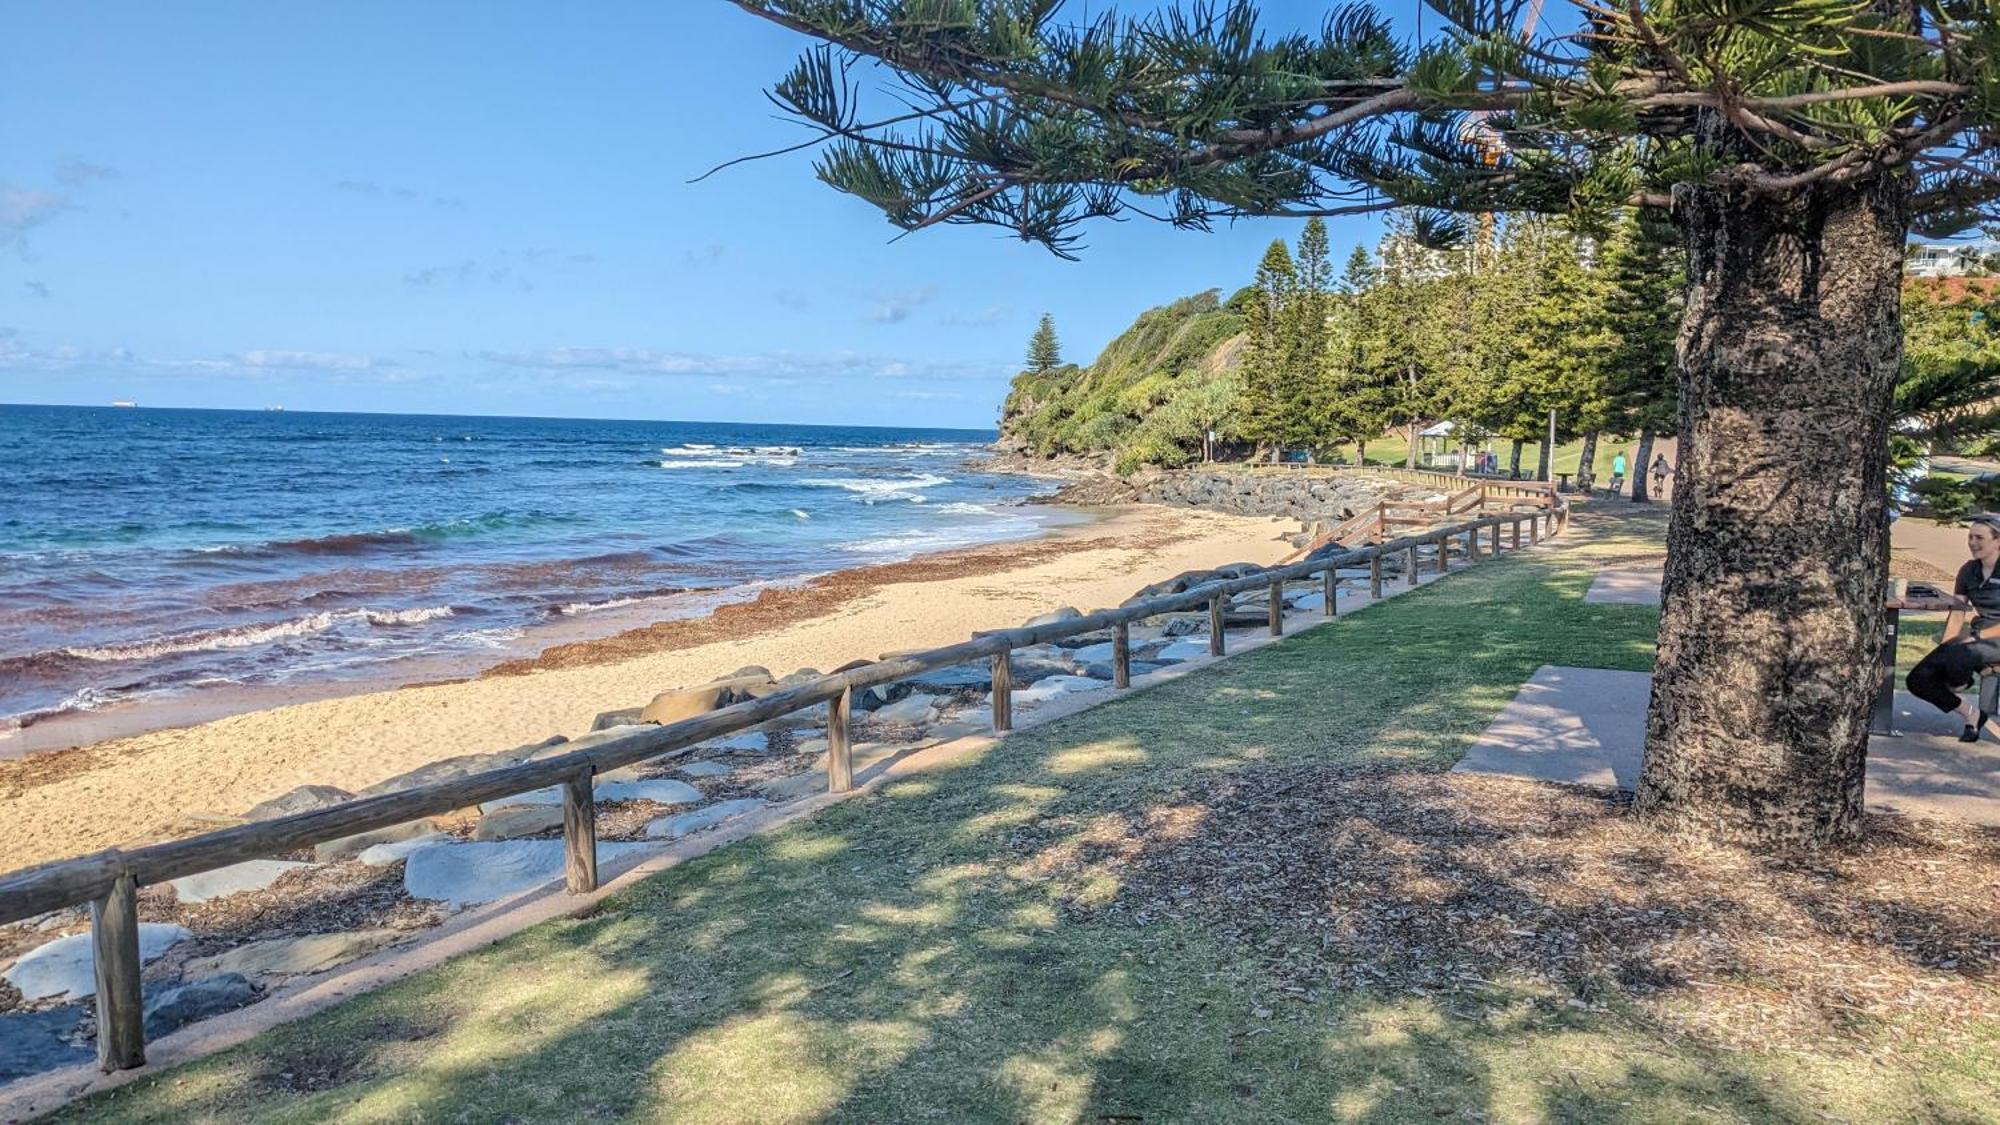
[1249, 895]
[1393, 451]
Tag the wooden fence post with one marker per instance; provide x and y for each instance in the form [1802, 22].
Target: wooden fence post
[1003, 691]
[1410, 572]
[1329, 593]
[1375, 577]
[1444, 553]
[1277, 608]
[1517, 533]
[1535, 528]
[1472, 544]
[114, 942]
[839, 742]
[1121, 656]
[579, 833]
[1215, 638]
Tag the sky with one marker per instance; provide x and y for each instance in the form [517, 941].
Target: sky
[486, 208]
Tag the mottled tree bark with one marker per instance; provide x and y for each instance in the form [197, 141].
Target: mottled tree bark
[1772, 616]
[1585, 473]
[1514, 460]
[1544, 462]
[1411, 460]
[1641, 457]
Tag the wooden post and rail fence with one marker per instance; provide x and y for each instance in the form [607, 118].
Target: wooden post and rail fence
[109, 881]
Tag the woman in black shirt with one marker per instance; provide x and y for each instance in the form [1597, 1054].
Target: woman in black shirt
[1956, 662]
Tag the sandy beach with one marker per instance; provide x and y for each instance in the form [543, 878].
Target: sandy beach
[175, 782]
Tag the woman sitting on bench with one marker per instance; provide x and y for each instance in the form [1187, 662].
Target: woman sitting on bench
[1958, 659]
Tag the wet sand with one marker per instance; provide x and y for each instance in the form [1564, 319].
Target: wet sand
[172, 782]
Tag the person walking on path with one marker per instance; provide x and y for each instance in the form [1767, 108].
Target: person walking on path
[1661, 471]
[1618, 472]
[1956, 661]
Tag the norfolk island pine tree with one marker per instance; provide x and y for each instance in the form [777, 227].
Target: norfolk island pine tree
[1793, 143]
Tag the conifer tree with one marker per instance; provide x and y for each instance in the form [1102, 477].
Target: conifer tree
[1794, 144]
[1267, 373]
[1044, 350]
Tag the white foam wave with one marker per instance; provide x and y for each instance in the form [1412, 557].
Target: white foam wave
[802, 513]
[253, 636]
[875, 489]
[962, 508]
[705, 464]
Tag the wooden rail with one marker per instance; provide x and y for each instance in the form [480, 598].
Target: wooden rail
[109, 881]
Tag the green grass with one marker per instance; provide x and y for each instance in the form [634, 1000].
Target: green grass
[1394, 451]
[900, 957]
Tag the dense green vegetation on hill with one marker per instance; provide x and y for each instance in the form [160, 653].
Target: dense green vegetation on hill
[1148, 399]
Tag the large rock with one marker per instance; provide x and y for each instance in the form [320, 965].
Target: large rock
[912, 711]
[33, 1042]
[1054, 687]
[661, 790]
[360, 842]
[442, 770]
[1054, 616]
[296, 956]
[183, 1004]
[236, 879]
[516, 821]
[687, 703]
[1102, 669]
[382, 855]
[304, 799]
[624, 716]
[674, 827]
[66, 966]
[468, 874]
[1183, 650]
[1090, 654]
[958, 677]
[704, 769]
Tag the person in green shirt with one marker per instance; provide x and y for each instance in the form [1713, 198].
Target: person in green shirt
[1618, 472]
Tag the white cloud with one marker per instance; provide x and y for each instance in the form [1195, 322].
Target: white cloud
[896, 307]
[22, 208]
[304, 361]
[772, 365]
[36, 289]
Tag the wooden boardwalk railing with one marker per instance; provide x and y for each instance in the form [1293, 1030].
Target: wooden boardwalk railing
[109, 881]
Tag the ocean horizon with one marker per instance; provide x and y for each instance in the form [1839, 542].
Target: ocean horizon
[151, 554]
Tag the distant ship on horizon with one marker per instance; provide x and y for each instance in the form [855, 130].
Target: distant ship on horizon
[125, 402]
[275, 409]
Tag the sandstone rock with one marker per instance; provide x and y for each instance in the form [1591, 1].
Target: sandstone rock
[915, 710]
[958, 677]
[518, 820]
[1183, 650]
[196, 1000]
[681, 824]
[304, 799]
[1186, 626]
[237, 878]
[354, 845]
[468, 874]
[1090, 654]
[66, 966]
[624, 716]
[1066, 613]
[382, 855]
[659, 790]
[296, 956]
[703, 769]
[1054, 687]
[1102, 670]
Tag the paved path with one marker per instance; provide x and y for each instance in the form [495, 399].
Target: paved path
[1624, 587]
[1587, 726]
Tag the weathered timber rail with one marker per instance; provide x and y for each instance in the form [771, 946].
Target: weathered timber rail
[109, 881]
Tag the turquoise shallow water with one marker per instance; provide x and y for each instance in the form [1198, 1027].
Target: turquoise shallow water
[167, 552]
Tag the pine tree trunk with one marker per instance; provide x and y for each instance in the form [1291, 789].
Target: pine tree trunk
[1641, 457]
[1413, 446]
[1514, 460]
[1584, 468]
[1545, 462]
[1771, 618]
[1360, 453]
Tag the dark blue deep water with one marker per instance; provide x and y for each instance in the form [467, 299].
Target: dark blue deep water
[161, 552]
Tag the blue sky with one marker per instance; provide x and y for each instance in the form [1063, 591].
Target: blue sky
[484, 209]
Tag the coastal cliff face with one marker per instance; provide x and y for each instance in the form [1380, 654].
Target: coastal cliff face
[1146, 400]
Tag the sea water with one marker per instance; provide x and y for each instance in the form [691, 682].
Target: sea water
[149, 553]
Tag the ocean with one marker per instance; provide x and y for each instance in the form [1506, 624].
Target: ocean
[149, 554]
